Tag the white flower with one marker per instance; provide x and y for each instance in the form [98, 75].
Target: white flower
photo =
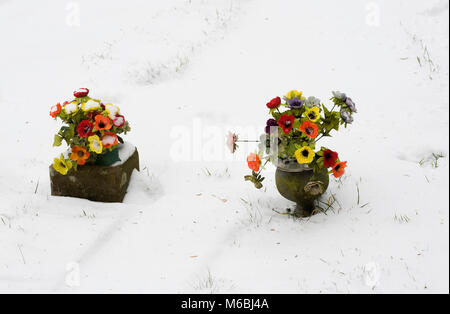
[340, 95]
[313, 102]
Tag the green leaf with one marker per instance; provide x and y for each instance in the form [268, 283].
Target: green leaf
[57, 141]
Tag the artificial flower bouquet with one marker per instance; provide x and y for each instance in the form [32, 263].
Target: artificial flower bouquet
[297, 124]
[92, 131]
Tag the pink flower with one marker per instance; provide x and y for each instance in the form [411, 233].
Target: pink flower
[231, 142]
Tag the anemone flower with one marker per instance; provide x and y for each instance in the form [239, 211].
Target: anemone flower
[80, 155]
[294, 93]
[109, 139]
[346, 116]
[329, 158]
[270, 124]
[254, 162]
[339, 169]
[112, 110]
[81, 92]
[295, 103]
[62, 165]
[90, 105]
[313, 114]
[231, 142]
[305, 155]
[55, 110]
[350, 104]
[339, 95]
[95, 144]
[71, 107]
[119, 121]
[312, 102]
[84, 128]
[102, 123]
[309, 129]
[286, 122]
[274, 103]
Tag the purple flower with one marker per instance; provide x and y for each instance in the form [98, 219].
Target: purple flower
[271, 123]
[350, 104]
[346, 116]
[295, 103]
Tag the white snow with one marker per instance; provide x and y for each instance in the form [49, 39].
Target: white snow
[71, 107]
[112, 110]
[186, 73]
[119, 121]
[126, 150]
[91, 105]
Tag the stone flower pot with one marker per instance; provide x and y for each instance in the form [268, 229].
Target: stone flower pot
[299, 184]
[98, 183]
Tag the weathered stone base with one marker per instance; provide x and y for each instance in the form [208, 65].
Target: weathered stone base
[95, 183]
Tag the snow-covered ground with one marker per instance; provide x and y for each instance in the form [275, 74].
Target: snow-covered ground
[187, 71]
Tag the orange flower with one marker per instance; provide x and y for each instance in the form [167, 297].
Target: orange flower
[254, 162]
[55, 110]
[102, 123]
[339, 169]
[80, 155]
[109, 140]
[310, 129]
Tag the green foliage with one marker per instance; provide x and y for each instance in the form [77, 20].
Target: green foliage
[330, 121]
[67, 133]
[256, 179]
[57, 141]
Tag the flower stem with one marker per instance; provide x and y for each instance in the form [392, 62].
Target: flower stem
[318, 138]
[247, 141]
[262, 167]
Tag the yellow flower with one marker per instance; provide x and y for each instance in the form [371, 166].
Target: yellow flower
[112, 110]
[305, 155]
[90, 105]
[294, 93]
[61, 165]
[313, 114]
[95, 144]
[71, 107]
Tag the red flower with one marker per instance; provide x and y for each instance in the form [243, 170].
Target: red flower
[286, 122]
[55, 110]
[91, 115]
[339, 169]
[310, 129]
[119, 121]
[329, 158]
[254, 162]
[109, 140]
[274, 103]
[81, 92]
[85, 128]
